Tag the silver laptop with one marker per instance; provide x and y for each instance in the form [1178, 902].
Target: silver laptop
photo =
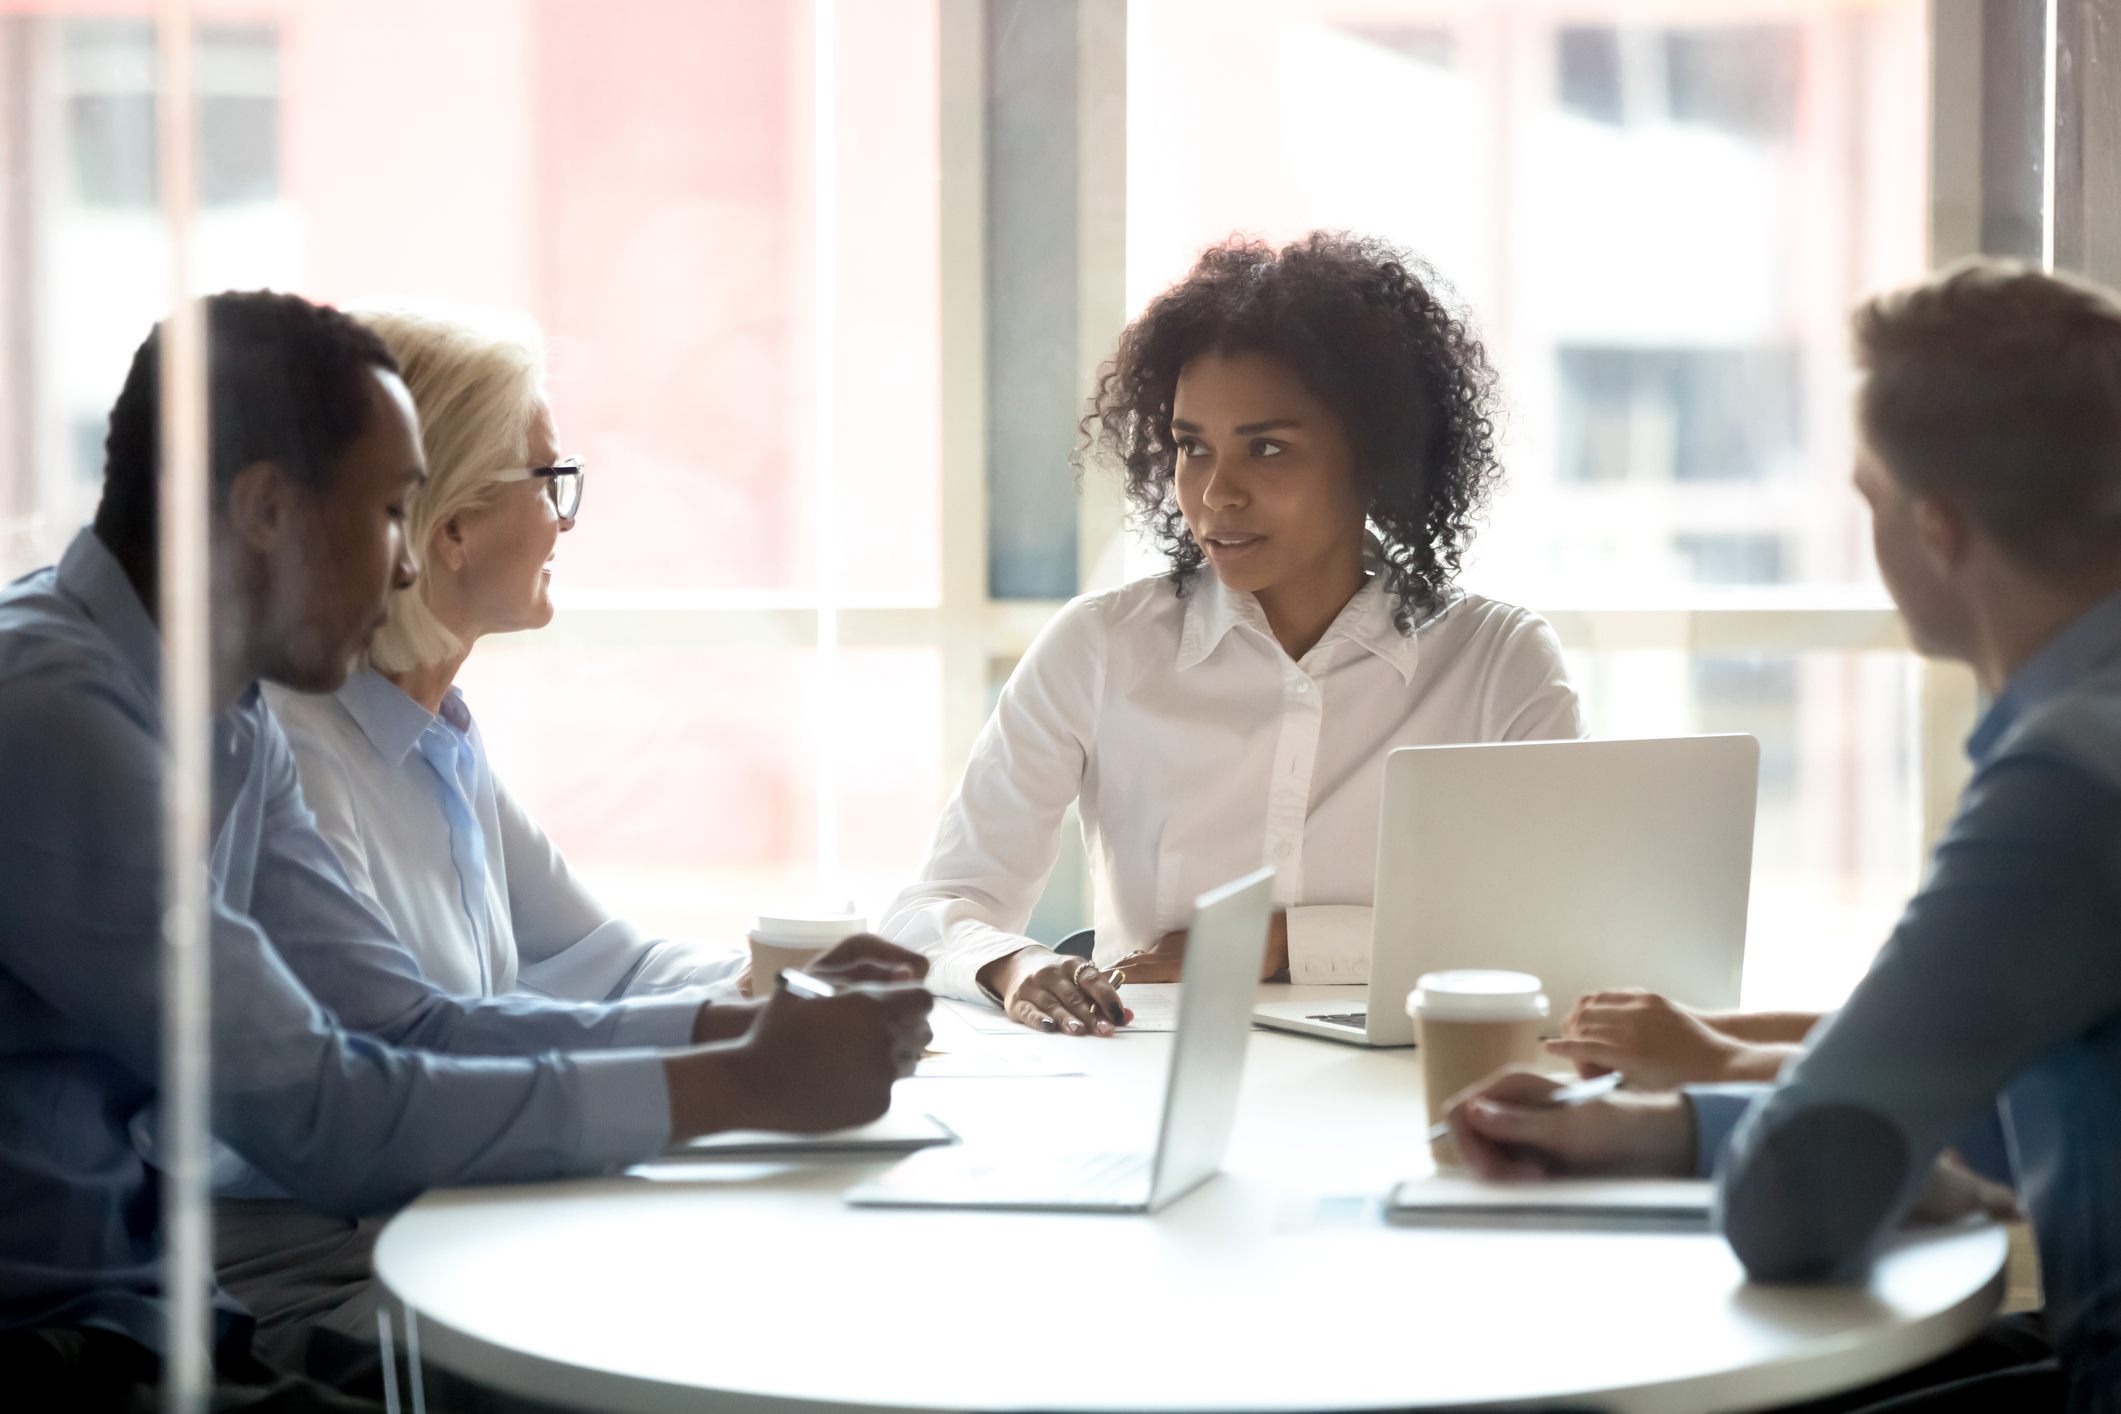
[1591, 864]
[1220, 976]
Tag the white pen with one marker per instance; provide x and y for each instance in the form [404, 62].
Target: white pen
[804, 985]
[1574, 1094]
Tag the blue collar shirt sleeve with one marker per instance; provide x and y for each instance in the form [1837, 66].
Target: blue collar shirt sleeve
[2000, 986]
[344, 953]
[346, 1122]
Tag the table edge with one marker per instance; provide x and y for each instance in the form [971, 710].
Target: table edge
[1858, 1363]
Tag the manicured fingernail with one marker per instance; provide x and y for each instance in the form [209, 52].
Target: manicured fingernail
[1104, 1028]
[1075, 1027]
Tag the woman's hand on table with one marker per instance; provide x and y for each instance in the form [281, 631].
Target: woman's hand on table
[1658, 1044]
[1165, 959]
[806, 1065]
[1507, 1127]
[1047, 991]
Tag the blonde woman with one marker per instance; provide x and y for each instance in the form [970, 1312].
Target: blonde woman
[395, 770]
[393, 763]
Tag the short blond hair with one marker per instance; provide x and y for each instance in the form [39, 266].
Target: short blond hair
[476, 376]
[1997, 388]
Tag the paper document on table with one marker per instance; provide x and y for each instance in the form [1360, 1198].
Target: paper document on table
[1630, 1204]
[898, 1132]
[1155, 1006]
[995, 1062]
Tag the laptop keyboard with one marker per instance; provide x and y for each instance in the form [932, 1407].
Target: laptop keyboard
[1359, 1020]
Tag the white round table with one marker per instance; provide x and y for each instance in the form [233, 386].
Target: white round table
[750, 1286]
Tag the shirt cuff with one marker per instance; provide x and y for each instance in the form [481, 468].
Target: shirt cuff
[659, 1023]
[717, 971]
[721, 977]
[625, 1098]
[1717, 1110]
[957, 973]
[1329, 942]
[726, 991]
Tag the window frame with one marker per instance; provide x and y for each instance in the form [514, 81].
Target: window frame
[977, 633]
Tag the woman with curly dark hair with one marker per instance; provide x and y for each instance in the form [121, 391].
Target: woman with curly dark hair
[1308, 433]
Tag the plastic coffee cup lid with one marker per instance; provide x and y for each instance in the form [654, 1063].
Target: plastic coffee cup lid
[800, 926]
[1477, 994]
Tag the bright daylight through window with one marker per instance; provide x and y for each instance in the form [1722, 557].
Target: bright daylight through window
[710, 264]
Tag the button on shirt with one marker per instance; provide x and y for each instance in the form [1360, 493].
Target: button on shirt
[472, 887]
[1196, 749]
[2000, 990]
[327, 1073]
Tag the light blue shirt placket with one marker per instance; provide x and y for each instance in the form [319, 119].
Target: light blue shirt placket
[456, 766]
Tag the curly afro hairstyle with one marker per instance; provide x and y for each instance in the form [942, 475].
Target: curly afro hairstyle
[1368, 330]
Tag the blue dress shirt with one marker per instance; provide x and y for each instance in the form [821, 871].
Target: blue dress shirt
[1999, 989]
[435, 841]
[327, 1067]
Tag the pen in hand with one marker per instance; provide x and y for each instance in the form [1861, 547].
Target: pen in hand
[1574, 1094]
[804, 985]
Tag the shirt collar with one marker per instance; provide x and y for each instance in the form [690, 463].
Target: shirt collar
[1212, 611]
[392, 721]
[2091, 641]
[90, 575]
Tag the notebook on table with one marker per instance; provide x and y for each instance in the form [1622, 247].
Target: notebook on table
[1620, 1204]
[898, 1132]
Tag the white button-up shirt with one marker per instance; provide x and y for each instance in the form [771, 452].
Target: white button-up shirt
[472, 887]
[1197, 750]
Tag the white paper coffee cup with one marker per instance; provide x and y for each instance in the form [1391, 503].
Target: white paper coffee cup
[796, 938]
[1471, 1023]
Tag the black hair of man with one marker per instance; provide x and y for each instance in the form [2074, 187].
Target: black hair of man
[288, 382]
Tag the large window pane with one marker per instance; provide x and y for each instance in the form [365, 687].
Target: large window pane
[724, 215]
[641, 175]
[681, 783]
[1659, 220]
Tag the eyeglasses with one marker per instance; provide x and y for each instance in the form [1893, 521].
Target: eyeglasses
[563, 484]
